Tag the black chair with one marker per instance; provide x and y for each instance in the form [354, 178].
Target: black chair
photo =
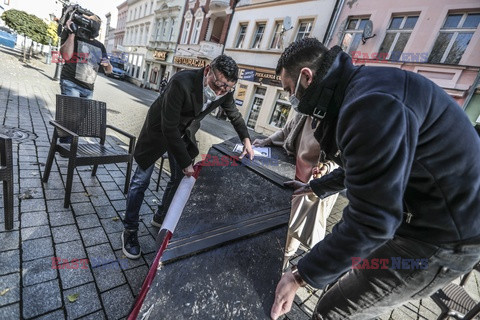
[79, 117]
[6, 175]
[454, 300]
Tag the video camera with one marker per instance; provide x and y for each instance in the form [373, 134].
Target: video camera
[82, 26]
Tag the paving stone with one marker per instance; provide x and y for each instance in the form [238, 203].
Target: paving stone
[108, 276]
[70, 250]
[83, 208]
[116, 240]
[106, 211]
[55, 184]
[88, 221]
[31, 219]
[60, 218]
[110, 186]
[95, 191]
[117, 302]
[16, 224]
[99, 200]
[147, 243]
[88, 301]
[126, 263]
[42, 298]
[149, 257]
[99, 315]
[32, 205]
[116, 195]
[104, 178]
[12, 283]
[10, 312]
[93, 236]
[55, 315]
[32, 183]
[35, 232]
[100, 254]
[38, 248]
[112, 224]
[75, 277]
[38, 270]
[9, 262]
[9, 240]
[54, 194]
[135, 278]
[65, 233]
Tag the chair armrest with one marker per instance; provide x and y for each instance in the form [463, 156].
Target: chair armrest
[128, 135]
[62, 128]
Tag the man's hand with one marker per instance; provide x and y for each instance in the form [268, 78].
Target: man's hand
[105, 63]
[188, 171]
[261, 142]
[284, 295]
[320, 170]
[299, 187]
[247, 149]
[68, 24]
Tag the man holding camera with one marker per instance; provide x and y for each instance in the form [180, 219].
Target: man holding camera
[83, 56]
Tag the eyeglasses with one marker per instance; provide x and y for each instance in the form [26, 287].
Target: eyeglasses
[222, 85]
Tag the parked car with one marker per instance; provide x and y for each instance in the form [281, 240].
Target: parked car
[7, 37]
[118, 70]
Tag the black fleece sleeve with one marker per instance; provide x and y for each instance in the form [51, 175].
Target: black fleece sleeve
[377, 135]
[235, 117]
[329, 184]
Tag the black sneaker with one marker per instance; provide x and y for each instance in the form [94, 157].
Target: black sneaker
[130, 246]
[157, 219]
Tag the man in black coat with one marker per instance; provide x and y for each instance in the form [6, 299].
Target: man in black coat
[409, 160]
[171, 124]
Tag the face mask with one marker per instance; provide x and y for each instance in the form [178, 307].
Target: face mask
[294, 101]
[210, 93]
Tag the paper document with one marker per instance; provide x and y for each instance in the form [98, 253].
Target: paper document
[257, 151]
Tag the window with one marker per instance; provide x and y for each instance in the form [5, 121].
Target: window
[257, 39]
[159, 28]
[135, 15]
[145, 10]
[304, 29]
[164, 30]
[186, 31]
[454, 37]
[151, 7]
[241, 35]
[196, 31]
[281, 110]
[256, 106]
[277, 35]
[397, 37]
[172, 31]
[353, 34]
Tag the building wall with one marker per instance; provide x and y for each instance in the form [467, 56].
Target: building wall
[455, 78]
[258, 64]
[120, 28]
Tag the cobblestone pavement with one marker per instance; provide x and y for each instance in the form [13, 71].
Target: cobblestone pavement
[32, 286]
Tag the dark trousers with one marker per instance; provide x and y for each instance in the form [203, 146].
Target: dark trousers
[138, 185]
[368, 293]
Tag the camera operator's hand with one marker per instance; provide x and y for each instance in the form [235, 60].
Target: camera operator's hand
[68, 25]
[105, 63]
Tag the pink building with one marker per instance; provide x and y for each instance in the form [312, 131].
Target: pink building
[120, 29]
[439, 39]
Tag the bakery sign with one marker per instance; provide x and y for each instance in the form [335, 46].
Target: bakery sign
[192, 62]
[160, 55]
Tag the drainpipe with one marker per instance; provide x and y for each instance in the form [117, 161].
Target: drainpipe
[333, 22]
[235, 2]
[471, 91]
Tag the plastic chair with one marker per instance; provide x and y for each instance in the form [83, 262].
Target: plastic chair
[6, 175]
[79, 117]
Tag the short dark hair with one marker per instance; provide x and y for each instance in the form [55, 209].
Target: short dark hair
[227, 66]
[306, 52]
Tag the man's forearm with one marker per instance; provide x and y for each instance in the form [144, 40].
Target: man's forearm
[66, 50]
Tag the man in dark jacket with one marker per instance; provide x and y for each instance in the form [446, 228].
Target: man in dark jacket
[171, 124]
[409, 160]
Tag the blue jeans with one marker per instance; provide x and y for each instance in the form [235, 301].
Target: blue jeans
[138, 185]
[69, 88]
[368, 293]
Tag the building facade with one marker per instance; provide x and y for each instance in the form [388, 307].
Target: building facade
[163, 41]
[439, 39]
[259, 33]
[120, 28]
[138, 29]
[203, 32]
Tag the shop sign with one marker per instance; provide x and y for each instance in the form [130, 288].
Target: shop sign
[241, 91]
[160, 55]
[268, 79]
[193, 62]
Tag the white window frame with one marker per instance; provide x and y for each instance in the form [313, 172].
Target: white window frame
[186, 31]
[307, 31]
[456, 31]
[257, 28]
[354, 32]
[398, 31]
[277, 31]
[196, 31]
[239, 44]
[172, 30]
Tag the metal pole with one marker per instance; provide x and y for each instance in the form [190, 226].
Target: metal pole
[58, 68]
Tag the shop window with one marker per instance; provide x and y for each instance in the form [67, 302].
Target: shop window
[256, 106]
[281, 110]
